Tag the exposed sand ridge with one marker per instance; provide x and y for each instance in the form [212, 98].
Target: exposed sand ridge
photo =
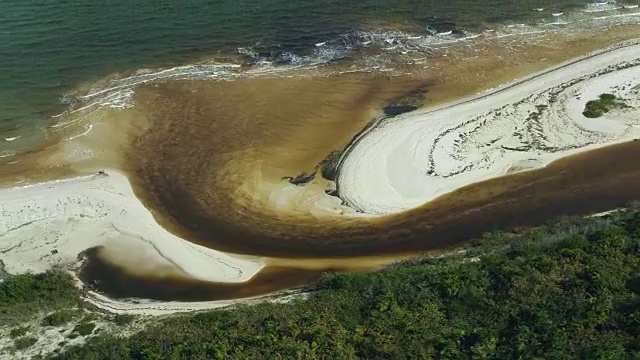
[408, 160]
[51, 223]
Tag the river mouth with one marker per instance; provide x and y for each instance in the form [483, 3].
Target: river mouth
[216, 162]
[246, 202]
[578, 185]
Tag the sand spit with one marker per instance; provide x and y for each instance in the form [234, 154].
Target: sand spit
[413, 158]
[49, 224]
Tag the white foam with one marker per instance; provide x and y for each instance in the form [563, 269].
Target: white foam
[601, 6]
[118, 93]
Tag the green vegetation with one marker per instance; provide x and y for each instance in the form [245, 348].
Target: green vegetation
[24, 342]
[84, 328]
[569, 289]
[606, 102]
[59, 318]
[123, 319]
[18, 332]
[24, 296]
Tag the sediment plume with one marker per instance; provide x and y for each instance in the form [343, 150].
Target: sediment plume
[168, 186]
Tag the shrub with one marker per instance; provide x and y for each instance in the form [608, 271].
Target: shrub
[18, 332]
[607, 98]
[592, 110]
[123, 319]
[606, 102]
[59, 318]
[23, 297]
[24, 342]
[50, 286]
[84, 328]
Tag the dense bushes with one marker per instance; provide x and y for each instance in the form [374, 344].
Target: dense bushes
[84, 328]
[570, 289]
[59, 318]
[123, 319]
[23, 296]
[24, 342]
[597, 108]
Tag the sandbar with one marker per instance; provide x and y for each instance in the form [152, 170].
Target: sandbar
[405, 161]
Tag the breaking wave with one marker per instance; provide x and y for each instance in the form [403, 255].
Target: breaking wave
[365, 49]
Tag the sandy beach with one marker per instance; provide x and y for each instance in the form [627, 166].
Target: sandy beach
[49, 224]
[408, 160]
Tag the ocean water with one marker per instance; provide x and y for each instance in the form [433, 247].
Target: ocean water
[48, 48]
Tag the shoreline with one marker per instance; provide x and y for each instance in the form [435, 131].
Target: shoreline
[114, 90]
[375, 123]
[404, 162]
[50, 224]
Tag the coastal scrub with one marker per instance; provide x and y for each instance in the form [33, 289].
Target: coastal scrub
[569, 289]
[24, 296]
[606, 102]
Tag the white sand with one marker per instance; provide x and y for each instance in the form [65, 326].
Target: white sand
[157, 308]
[406, 161]
[72, 215]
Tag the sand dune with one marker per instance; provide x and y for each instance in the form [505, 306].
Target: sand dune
[408, 160]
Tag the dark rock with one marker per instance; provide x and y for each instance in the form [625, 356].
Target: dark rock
[301, 179]
[397, 110]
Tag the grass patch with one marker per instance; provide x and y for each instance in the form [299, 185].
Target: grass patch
[606, 102]
[569, 289]
[24, 342]
[22, 297]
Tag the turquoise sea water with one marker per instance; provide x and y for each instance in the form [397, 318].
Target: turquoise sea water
[48, 48]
